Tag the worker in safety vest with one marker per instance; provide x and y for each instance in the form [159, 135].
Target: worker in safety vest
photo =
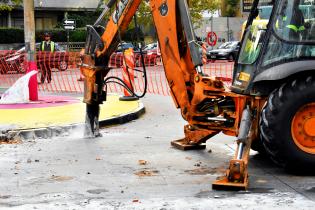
[46, 46]
[292, 22]
[291, 26]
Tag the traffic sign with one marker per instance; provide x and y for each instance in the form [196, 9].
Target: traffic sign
[69, 24]
[212, 38]
[69, 27]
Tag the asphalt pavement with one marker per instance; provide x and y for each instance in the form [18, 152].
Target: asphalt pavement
[133, 166]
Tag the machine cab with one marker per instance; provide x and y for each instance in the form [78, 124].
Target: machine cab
[275, 49]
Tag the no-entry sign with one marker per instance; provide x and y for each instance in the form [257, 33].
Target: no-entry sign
[212, 38]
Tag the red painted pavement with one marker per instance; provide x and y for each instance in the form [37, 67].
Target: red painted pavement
[43, 102]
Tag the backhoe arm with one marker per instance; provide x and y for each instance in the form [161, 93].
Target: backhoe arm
[182, 66]
[205, 103]
[100, 44]
[181, 59]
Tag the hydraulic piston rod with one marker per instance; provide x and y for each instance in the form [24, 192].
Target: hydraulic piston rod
[237, 175]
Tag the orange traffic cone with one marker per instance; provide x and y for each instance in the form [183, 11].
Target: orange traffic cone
[128, 75]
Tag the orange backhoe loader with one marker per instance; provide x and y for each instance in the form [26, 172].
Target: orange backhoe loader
[270, 106]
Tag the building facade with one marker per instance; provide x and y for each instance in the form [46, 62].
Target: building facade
[47, 12]
[226, 28]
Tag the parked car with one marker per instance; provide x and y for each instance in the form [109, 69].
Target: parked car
[151, 49]
[10, 61]
[227, 50]
[15, 60]
[124, 46]
[151, 55]
[58, 60]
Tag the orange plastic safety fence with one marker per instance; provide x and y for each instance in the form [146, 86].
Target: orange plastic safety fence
[58, 72]
[12, 66]
[220, 69]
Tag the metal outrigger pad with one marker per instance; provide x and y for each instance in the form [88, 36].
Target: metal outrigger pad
[236, 177]
[182, 145]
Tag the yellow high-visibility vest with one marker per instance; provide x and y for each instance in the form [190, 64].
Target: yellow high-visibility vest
[52, 46]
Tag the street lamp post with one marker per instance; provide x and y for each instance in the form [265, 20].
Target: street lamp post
[228, 28]
[29, 32]
[211, 27]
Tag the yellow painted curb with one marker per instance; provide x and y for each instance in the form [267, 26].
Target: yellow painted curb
[64, 115]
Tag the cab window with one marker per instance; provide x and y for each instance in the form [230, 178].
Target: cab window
[295, 20]
[294, 27]
[254, 34]
[253, 41]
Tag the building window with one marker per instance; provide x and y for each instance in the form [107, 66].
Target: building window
[45, 23]
[17, 23]
[3, 21]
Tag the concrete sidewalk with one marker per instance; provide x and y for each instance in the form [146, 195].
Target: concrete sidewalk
[54, 114]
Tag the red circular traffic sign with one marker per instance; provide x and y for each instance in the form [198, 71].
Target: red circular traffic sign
[212, 38]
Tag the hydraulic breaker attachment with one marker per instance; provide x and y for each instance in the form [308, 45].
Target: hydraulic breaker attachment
[236, 177]
[91, 128]
[93, 94]
[195, 138]
[93, 74]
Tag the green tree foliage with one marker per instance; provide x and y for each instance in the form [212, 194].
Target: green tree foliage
[230, 8]
[198, 7]
[8, 5]
[11, 35]
[144, 16]
[83, 18]
[132, 35]
[145, 21]
[16, 35]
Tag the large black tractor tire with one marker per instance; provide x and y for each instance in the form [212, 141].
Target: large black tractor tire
[258, 146]
[283, 107]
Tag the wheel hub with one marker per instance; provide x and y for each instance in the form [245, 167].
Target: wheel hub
[309, 127]
[303, 128]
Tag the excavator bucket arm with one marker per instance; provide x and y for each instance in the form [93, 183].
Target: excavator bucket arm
[204, 101]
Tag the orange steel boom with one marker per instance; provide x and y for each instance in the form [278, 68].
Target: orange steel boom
[205, 103]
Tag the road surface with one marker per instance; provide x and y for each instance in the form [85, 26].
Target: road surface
[133, 166]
